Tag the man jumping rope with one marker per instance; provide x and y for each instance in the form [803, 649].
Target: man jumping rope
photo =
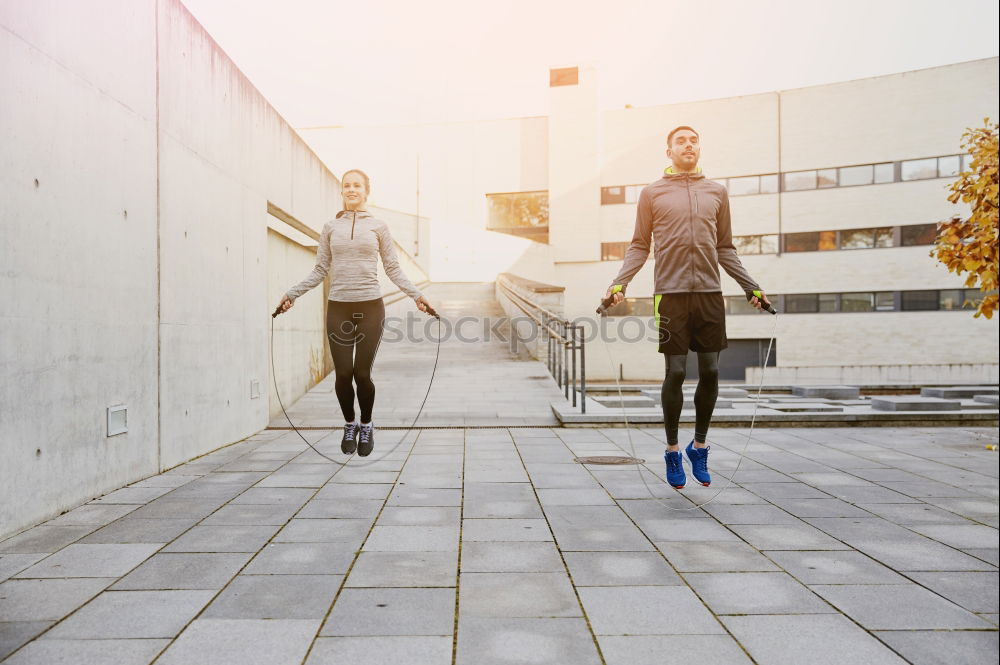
[687, 217]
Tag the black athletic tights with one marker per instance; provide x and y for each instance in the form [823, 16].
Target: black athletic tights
[672, 397]
[354, 330]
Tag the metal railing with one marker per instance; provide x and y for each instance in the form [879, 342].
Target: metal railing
[564, 345]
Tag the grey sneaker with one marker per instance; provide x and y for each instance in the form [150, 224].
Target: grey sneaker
[350, 441]
[367, 440]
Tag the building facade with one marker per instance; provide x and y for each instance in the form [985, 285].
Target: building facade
[835, 193]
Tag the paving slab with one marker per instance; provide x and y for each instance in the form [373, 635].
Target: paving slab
[620, 569]
[639, 610]
[405, 569]
[510, 557]
[382, 650]
[657, 649]
[898, 607]
[817, 639]
[503, 641]
[15, 634]
[390, 611]
[91, 652]
[242, 642]
[47, 599]
[935, 647]
[133, 614]
[756, 593]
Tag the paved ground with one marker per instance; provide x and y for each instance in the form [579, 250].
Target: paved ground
[492, 546]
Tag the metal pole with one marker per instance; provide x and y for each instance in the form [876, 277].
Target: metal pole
[583, 375]
[572, 328]
[565, 367]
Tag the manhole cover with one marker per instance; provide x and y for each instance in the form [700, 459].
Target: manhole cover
[609, 459]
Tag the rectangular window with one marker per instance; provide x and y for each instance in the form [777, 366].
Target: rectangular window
[613, 251]
[884, 237]
[612, 195]
[885, 172]
[826, 178]
[919, 169]
[769, 184]
[828, 302]
[966, 162]
[564, 76]
[951, 299]
[524, 214]
[856, 175]
[744, 186]
[918, 234]
[920, 301]
[804, 303]
[799, 180]
[857, 239]
[857, 302]
[802, 242]
[632, 193]
[949, 166]
[769, 244]
[633, 307]
[885, 301]
[974, 296]
[747, 244]
[827, 240]
[739, 305]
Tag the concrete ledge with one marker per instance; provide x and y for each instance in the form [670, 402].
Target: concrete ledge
[604, 417]
[958, 392]
[829, 392]
[988, 399]
[908, 403]
[688, 399]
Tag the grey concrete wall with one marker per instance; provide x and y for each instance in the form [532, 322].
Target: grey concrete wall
[138, 163]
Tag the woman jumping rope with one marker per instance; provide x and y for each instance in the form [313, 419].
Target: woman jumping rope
[351, 245]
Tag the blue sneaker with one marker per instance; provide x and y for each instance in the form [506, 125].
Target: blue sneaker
[699, 463]
[675, 470]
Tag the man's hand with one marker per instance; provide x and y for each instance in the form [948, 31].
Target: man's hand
[756, 302]
[422, 304]
[616, 297]
[286, 304]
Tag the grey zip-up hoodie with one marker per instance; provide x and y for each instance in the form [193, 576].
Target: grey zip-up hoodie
[687, 218]
[351, 244]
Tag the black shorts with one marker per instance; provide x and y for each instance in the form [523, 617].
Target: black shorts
[695, 321]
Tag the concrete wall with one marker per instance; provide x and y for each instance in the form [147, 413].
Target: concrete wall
[138, 164]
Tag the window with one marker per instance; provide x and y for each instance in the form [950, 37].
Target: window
[826, 178]
[811, 241]
[951, 299]
[918, 234]
[564, 76]
[885, 301]
[769, 244]
[856, 175]
[919, 169]
[738, 305]
[632, 193]
[828, 302]
[949, 166]
[613, 251]
[804, 303]
[857, 239]
[523, 214]
[610, 195]
[632, 307]
[744, 186]
[866, 238]
[769, 184]
[799, 180]
[920, 301]
[747, 244]
[966, 162]
[857, 302]
[885, 173]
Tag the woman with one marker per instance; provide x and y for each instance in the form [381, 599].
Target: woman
[351, 243]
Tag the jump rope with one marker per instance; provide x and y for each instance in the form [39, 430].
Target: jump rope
[730, 480]
[437, 354]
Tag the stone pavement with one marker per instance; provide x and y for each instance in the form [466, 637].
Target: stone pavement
[476, 383]
[490, 546]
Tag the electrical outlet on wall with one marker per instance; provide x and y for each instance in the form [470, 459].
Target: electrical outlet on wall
[254, 389]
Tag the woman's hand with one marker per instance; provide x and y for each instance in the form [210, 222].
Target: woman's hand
[286, 304]
[756, 302]
[422, 304]
[616, 297]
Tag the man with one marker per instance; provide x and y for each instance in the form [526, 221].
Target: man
[687, 218]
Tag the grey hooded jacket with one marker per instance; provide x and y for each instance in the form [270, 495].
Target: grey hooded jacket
[351, 245]
[687, 218]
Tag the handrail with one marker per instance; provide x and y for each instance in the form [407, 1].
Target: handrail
[561, 332]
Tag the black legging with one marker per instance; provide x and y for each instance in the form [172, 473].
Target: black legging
[354, 330]
[672, 397]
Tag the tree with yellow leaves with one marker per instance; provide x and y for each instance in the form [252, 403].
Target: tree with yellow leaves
[970, 245]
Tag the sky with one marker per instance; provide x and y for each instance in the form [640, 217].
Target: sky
[375, 62]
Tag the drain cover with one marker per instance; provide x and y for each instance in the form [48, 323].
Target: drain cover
[608, 459]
